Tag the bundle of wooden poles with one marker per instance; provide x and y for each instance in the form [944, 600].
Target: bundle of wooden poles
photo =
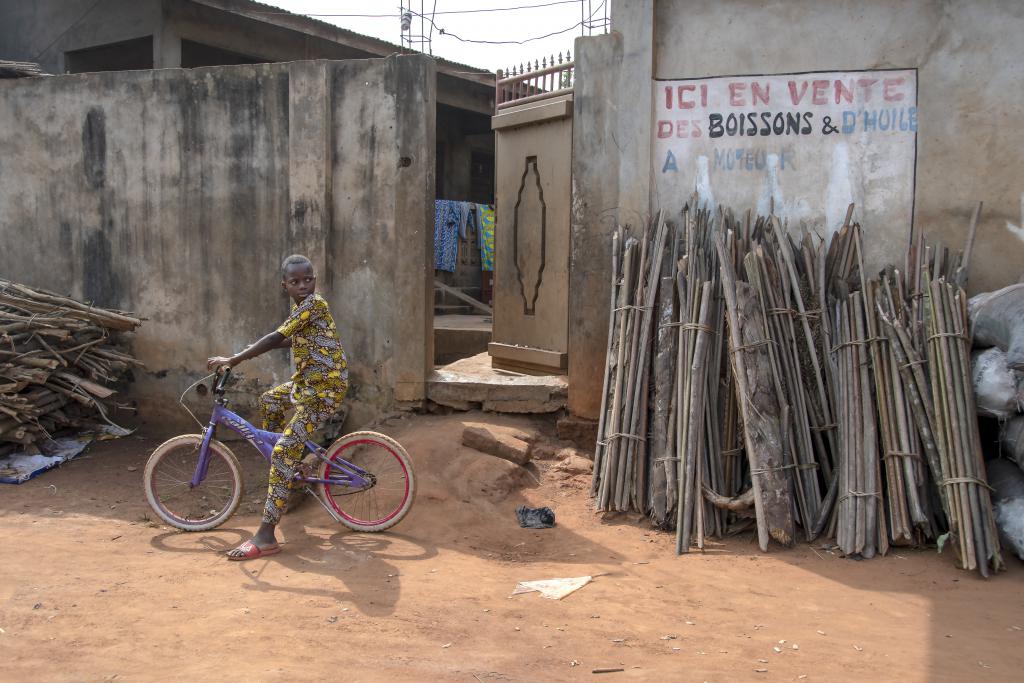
[758, 376]
[58, 361]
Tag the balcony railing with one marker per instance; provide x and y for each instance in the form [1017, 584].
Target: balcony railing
[533, 82]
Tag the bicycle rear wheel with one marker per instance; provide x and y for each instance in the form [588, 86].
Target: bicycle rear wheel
[168, 483]
[387, 500]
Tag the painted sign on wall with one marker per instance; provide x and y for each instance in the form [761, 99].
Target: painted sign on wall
[808, 144]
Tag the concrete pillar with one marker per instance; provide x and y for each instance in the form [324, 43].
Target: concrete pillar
[166, 47]
[611, 180]
[309, 163]
[595, 200]
[415, 123]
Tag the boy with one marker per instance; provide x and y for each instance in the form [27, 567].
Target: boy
[315, 392]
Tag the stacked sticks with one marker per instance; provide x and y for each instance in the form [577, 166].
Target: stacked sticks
[58, 358]
[757, 376]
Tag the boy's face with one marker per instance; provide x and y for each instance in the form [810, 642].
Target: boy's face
[299, 281]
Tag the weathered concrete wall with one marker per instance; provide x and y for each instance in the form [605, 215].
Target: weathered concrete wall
[969, 77]
[969, 92]
[176, 194]
[382, 244]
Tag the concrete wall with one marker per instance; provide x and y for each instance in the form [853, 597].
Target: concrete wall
[969, 78]
[969, 92]
[176, 194]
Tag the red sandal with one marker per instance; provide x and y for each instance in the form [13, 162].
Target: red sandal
[251, 551]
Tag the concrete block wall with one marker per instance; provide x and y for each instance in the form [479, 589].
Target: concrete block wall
[176, 194]
[968, 96]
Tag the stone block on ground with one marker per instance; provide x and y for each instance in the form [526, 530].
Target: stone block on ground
[549, 449]
[502, 442]
[580, 430]
[575, 464]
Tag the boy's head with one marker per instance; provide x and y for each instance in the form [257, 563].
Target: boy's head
[298, 277]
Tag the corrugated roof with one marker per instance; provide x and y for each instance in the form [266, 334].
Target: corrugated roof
[272, 14]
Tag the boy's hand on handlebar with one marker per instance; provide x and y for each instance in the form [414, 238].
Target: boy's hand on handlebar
[218, 363]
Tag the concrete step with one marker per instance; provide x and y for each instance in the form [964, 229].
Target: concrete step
[460, 336]
[472, 383]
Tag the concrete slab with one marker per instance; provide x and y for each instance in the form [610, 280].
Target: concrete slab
[472, 383]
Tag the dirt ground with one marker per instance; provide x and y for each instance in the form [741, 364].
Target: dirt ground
[92, 590]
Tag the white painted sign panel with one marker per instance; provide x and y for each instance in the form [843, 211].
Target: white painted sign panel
[809, 144]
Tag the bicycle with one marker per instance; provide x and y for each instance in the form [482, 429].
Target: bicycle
[193, 482]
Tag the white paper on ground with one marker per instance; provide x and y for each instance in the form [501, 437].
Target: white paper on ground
[556, 589]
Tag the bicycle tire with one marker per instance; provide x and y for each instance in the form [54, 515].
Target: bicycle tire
[334, 506]
[218, 450]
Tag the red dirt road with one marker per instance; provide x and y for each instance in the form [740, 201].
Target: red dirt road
[91, 590]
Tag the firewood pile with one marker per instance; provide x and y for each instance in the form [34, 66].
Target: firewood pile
[59, 359]
[759, 377]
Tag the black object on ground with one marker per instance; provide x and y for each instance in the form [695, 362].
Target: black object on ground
[535, 518]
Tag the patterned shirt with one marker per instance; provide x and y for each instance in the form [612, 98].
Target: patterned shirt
[320, 360]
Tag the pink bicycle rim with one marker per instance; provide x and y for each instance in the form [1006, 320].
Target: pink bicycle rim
[405, 497]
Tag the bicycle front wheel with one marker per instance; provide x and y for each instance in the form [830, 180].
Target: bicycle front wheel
[168, 482]
[388, 498]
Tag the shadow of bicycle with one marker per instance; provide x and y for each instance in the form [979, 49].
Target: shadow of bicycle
[341, 567]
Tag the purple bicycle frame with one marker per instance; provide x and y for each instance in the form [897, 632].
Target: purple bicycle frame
[342, 472]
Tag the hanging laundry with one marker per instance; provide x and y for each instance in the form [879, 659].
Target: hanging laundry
[446, 234]
[485, 228]
[467, 219]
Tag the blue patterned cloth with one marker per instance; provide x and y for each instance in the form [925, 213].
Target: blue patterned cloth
[447, 215]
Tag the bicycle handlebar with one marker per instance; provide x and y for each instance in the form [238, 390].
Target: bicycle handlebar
[221, 381]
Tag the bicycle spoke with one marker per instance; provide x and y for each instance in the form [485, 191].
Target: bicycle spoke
[172, 486]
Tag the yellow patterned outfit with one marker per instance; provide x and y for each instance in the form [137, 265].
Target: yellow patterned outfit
[315, 392]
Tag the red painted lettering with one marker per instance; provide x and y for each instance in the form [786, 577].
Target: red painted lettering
[865, 85]
[818, 95]
[668, 97]
[793, 96]
[759, 91]
[695, 125]
[704, 95]
[664, 129]
[889, 94]
[681, 130]
[736, 94]
[844, 92]
[684, 103]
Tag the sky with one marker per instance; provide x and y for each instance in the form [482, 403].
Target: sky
[562, 16]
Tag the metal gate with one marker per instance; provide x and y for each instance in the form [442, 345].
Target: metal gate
[533, 154]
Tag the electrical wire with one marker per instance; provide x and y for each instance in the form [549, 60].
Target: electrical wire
[582, 22]
[454, 11]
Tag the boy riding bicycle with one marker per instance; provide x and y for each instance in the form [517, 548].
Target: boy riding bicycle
[315, 391]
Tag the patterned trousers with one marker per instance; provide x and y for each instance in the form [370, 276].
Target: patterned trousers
[312, 408]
